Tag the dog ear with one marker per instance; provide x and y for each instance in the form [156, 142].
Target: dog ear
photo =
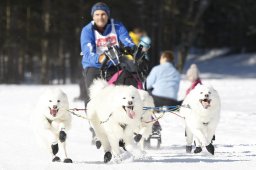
[198, 85]
[132, 87]
[210, 87]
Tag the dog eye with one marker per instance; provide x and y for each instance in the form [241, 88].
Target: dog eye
[50, 100]
[210, 93]
[58, 101]
[124, 97]
[133, 97]
[201, 92]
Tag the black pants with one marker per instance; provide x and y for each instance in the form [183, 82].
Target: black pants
[162, 101]
[90, 74]
[82, 89]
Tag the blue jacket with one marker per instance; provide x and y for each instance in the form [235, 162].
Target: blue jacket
[165, 80]
[88, 46]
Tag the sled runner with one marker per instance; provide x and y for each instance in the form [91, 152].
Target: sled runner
[156, 135]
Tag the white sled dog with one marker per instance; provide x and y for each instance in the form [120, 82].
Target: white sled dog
[201, 109]
[50, 121]
[145, 129]
[114, 113]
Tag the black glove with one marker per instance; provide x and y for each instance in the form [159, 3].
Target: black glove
[130, 50]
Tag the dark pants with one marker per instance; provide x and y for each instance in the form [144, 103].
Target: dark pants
[82, 89]
[162, 101]
[90, 74]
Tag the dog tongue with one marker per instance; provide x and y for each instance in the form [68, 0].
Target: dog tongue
[130, 113]
[53, 112]
[205, 104]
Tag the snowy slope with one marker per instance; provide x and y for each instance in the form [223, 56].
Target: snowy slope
[215, 64]
[235, 137]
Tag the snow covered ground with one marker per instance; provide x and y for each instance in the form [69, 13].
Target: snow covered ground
[235, 137]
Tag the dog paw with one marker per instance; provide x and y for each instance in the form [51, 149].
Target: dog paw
[198, 150]
[62, 136]
[210, 148]
[188, 149]
[213, 139]
[55, 148]
[122, 144]
[68, 160]
[56, 159]
[98, 144]
[107, 157]
[138, 137]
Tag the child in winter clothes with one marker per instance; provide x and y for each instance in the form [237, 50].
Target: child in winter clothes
[193, 77]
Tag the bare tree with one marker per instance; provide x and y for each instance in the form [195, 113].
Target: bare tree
[191, 22]
[45, 42]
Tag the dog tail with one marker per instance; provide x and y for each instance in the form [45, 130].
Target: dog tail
[96, 87]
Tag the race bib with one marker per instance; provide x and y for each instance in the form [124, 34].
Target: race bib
[106, 41]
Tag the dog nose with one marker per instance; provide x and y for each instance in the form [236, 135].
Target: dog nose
[130, 102]
[207, 95]
[54, 106]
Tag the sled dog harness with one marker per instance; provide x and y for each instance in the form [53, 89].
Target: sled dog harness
[164, 109]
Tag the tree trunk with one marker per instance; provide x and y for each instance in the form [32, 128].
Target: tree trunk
[45, 42]
[61, 63]
[7, 70]
[190, 30]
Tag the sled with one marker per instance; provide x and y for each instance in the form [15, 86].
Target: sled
[156, 135]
